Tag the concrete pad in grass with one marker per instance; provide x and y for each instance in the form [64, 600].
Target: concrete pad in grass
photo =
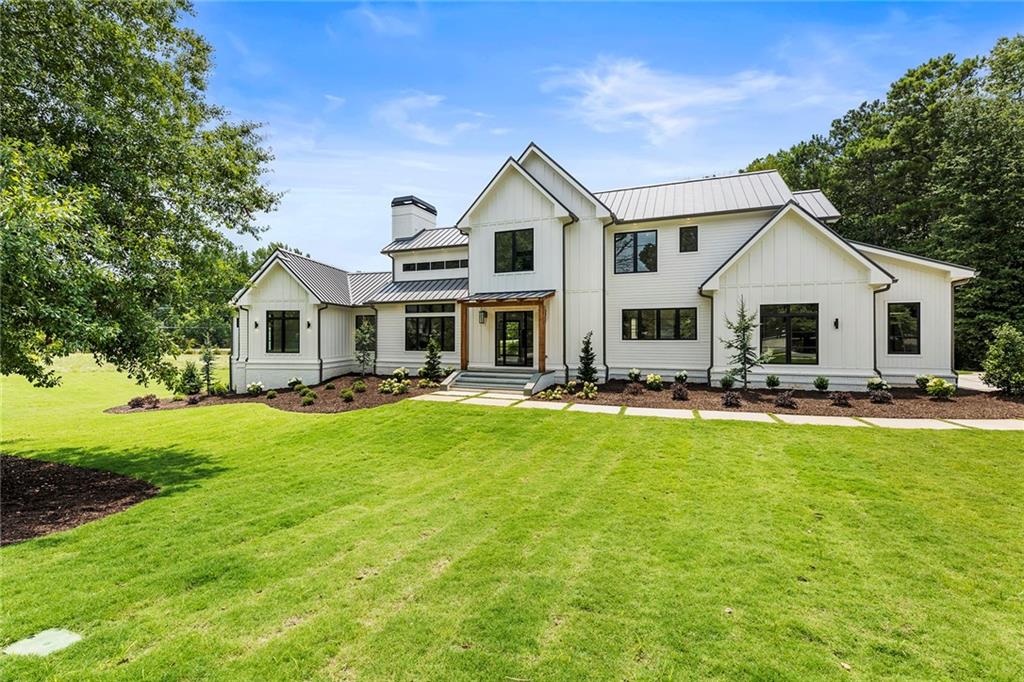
[898, 423]
[659, 412]
[43, 643]
[463, 392]
[438, 397]
[992, 424]
[499, 395]
[736, 416]
[540, 405]
[599, 409]
[488, 402]
[820, 420]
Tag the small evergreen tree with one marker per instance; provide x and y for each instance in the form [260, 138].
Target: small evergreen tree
[586, 370]
[366, 346]
[1004, 362]
[207, 358]
[432, 363]
[745, 357]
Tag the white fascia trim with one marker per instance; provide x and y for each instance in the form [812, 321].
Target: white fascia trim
[563, 213]
[955, 272]
[602, 211]
[262, 272]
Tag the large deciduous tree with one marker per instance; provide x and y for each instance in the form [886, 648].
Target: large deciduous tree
[119, 182]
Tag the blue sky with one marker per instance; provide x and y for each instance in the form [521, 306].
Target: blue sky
[363, 102]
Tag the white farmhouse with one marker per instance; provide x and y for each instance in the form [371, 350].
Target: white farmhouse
[538, 261]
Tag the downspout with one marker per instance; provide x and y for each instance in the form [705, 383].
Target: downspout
[319, 335]
[604, 299]
[565, 360]
[231, 362]
[711, 341]
[248, 319]
[874, 326]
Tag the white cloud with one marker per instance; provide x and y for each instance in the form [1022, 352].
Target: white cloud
[334, 102]
[406, 113]
[385, 24]
[613, 95]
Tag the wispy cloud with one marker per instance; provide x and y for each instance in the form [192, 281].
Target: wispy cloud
[389, 23]
[621, 94]
[406, 115]
[334, 102]
[251, 63]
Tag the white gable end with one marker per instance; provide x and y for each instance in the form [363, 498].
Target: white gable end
[558, 181]
[276, 283]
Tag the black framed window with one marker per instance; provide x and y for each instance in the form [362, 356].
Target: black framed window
[435, 265]
[282, 331]
[790, 331]
[424, 265]
[659, 324]
[418, 331]
[408, 267]
[904, 323]
[372, 321]
[430, 308]
[636, 252]
[513, 250]
[464, 263]
[687, 238]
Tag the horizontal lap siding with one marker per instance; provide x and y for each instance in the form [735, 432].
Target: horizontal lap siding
[391, 352]
[430, 255]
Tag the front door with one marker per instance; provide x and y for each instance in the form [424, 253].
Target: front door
[514, 338]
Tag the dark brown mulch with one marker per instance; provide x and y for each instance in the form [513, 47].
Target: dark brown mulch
[38, 498]
[907, 402]
[327, 400]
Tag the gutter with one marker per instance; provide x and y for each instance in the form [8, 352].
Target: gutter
[874, 326]
[319, 334]
[711, 341]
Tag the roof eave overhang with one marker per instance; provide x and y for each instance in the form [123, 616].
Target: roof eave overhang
[276, 257]
[511, 165]
[600, 209]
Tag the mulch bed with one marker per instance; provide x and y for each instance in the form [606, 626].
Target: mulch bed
[907, 402]
[327, 400]
[38, 498]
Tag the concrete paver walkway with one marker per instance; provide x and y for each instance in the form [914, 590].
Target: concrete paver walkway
[820, 420]
[992, 424]
[659, 412]
[738, 416]
[898, 423]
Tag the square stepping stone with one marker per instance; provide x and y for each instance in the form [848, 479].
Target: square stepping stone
[599, 409]
[541, 405]
[659, 412]
[438, 397]
[992, 424]
[737, 416]
[820, 420]
[43, 643]
[489, 402]
[899, 423]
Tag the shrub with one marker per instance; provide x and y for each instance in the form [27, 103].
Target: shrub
[727, 381]
[299, 388]
[177, 397]
[189, 382]
[821, 383]
[208, 357]
[634, 388]
[402, 387]
[271, 394]
[432, 360]
[220, 389]
[785, 399]
[655, 382]
[401, 374]
[330, 386]
[294, 381]
[941, 389]
[553, 393]
[359, 386]
[306, 390]
[922, 381]
[680, 392]
[880, 396]
[573, 386]
[633, 374]
[427, 383]
[254, 388]
[347, 395]
[1003, 366]
[731, 399]
[394, 386]
[586, 371]
[148, 401]
[840, 398]
[681, 376]
[308, 400]
[772, 381]
[193, 399]
[878, 384]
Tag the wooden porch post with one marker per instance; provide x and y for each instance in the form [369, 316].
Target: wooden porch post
[464, 337]
[542, 333]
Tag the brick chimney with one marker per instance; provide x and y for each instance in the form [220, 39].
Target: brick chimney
[409, 215]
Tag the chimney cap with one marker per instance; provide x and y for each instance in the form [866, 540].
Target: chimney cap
[415, 201]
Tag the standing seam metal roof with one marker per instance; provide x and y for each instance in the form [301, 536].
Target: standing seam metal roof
[422, 290]
[816, 203]
[435, 238]
[362, 285]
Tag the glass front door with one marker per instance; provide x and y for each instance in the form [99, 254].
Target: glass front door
[513, 333]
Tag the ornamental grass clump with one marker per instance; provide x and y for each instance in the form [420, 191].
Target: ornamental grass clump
[940, 389]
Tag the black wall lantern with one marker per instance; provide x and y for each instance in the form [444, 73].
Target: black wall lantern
[308, 324]
[835, 323]
[256, 324]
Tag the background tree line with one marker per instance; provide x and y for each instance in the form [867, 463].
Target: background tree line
[935, 168]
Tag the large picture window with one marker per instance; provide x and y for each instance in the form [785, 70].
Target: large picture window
[904, 322]
[372, 321]
[418, 331]
[513, 251]
[790, 331]
[636, 252]
[659, 324]
[282, 331]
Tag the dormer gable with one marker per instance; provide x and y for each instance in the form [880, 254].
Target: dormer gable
[514, 194]
[562, 184]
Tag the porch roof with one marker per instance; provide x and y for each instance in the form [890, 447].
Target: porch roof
[422, 290]
[532, 295]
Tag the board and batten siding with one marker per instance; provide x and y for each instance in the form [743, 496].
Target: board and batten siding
[456, 253]
[675, 285]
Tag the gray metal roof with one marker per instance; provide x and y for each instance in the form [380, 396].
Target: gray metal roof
[422, 290]
[743, 192]
[436, 238]
[328, 283]
[362, 285]
[511, 295]
[817, 204]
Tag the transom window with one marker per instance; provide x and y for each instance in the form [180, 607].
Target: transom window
[418, 331]
[790, 331]
[372, 321]
[904, 328]
[687, 238]
[513, 251]
[435, 265]
[659, 324]
[430, 308]
[282, 331]
[636, 252]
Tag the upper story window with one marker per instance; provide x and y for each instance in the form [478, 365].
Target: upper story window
[790, 331]
[372, 321]
[513, 251]
[282, 331]
[687, 238]
[435, 265]
[636, 252]
[904, 328]
[430, 308]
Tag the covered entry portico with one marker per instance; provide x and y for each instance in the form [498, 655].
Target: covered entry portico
[508, 329]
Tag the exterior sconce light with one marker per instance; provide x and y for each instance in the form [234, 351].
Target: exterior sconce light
[483, 317]
[835, 323]
[256, 325]
[308, 324]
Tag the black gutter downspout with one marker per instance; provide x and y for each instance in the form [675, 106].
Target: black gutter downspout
[248, 319]
[874, 326]
[711, 341]
[604, 298]
[319, 335]
[231, 362]
[565, 360]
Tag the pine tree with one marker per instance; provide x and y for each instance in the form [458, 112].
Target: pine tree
[366, 346]
[207, 359]
[586, 370]
[745, 357]
[432, 363]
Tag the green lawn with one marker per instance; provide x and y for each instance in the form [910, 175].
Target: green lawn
[434, 541]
